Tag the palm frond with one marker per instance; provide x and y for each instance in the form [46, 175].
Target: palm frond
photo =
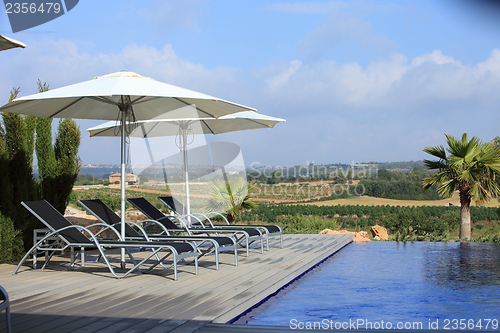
[472, 166]
[436, 151]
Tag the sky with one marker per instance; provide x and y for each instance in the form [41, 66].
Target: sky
[357, 81]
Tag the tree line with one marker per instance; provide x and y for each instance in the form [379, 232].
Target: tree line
[406, 185]
[430, 223]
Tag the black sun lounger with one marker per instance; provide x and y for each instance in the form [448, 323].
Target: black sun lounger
[243, 237]
[249, 235]
[179, 209]
[216, 244]
[74, 236]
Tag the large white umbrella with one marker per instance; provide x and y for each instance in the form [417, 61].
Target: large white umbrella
[9, 43]
[121, 96]
[157, 127]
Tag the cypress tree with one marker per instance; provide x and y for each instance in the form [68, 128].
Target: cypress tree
[17, 160]
[58, 163]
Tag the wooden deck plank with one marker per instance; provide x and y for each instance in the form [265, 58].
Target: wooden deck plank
[89, 299]
[233, 289]
[229, 294]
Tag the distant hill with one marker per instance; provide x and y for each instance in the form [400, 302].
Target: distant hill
[398, 166]
[103, 171]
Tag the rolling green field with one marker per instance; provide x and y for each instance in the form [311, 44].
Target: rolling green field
[371, 201]
[275, 194]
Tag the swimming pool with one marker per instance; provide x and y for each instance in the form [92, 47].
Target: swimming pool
[394, 285]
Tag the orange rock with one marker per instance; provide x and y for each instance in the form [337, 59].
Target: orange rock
[380, 232]
[361, 236]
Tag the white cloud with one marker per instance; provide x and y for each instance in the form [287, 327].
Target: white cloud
[336, 112]
[337, 30]
[61, 62]
[342, 26]
[279, 80]
[387, 110]
[394, 83]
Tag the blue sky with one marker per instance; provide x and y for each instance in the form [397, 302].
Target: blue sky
[357, 81]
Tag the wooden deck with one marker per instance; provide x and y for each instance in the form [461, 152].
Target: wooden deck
[89, 299]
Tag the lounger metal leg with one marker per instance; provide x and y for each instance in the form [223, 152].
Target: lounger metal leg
[196, 264]
[48, 256]
[175, 268]
[216, 259]
[72, 256]
[34, 259]
[82, 256]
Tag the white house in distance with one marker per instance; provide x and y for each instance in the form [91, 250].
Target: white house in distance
[131, 178]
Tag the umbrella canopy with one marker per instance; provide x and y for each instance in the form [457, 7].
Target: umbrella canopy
[165, 127]
[102, 97]
[244, 120]
[9, 43]
[118, 96]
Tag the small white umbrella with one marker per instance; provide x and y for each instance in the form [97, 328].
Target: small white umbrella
[118, 96]
[9, 43]
[240, 121]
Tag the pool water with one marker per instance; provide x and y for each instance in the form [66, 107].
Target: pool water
[394, 285]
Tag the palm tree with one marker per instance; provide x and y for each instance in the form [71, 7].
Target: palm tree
[231, 197]
[469, 166]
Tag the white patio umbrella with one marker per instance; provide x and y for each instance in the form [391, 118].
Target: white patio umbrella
[118, 96]
[9, 43]
[157, 127]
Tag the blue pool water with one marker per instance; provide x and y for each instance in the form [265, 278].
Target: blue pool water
[377, 284]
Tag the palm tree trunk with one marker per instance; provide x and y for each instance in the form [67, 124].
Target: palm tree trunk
[465, 225]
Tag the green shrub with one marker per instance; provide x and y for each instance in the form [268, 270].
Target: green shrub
[11, 243]
[306, 224]
[410, 224]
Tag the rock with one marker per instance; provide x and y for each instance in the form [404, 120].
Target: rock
[379, 233]
[361, 236]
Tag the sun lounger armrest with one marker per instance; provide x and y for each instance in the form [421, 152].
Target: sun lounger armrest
[141, 229]
[104, 226]
[165, 230]
[183, 219]
[218, 214]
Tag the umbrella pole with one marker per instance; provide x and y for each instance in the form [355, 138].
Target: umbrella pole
[122, 182]
[153, 160]
[186, 173]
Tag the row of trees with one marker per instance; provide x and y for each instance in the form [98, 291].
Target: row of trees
[21, 138]
[429, 223]
[271, 213]
[399, 185]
